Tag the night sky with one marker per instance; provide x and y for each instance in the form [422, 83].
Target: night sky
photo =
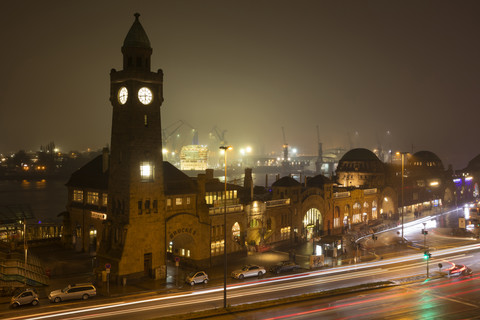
[402, 75]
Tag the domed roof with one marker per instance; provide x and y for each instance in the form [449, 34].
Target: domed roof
[286, 181]
[474, 164]
[359, 154]
[360, 160]
[427, 158]
[136, 36]
[318, 181]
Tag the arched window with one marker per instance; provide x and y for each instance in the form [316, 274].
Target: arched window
[236, 231]
[312, 217]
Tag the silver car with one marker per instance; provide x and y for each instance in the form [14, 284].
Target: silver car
[249, 271]
[75, 291]
[25, 296]
[197, 277]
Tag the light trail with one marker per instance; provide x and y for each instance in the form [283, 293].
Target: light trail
[308, 279]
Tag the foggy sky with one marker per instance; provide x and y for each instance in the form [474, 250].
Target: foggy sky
[354, 68]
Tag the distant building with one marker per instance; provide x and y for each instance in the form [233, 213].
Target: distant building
[194, 157]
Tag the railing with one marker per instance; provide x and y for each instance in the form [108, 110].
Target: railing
[12, 269]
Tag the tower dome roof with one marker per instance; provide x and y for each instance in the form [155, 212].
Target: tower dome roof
[359, 154]
[362, 160]
[318, 181]
[427, 159]
[136, 36]
[286, 181]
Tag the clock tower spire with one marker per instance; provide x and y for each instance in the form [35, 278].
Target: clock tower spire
[134, 242]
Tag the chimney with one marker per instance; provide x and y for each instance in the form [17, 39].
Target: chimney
[105, 159]
[201, 185]
[248, 184]
[209, 174]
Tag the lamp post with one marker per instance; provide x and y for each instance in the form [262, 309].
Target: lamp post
[403, 173]
[225, 149]
[25, 247]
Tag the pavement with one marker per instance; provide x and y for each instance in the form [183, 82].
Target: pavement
[67, 266]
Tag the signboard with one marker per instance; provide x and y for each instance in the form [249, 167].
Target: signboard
[108, 266]
[461, 223]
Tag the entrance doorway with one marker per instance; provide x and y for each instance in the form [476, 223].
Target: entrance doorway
[147, 264]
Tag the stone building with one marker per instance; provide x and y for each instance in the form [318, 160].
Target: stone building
[136, 210]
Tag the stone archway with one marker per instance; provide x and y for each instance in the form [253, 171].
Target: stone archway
[182, 245]
[312, 223]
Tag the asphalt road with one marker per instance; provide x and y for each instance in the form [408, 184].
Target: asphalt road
[437, 299]
[205, 297]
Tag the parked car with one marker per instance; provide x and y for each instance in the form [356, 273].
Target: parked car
[284, 266]
[459, 270]
[23, 297]
[74, 291]
[249, 271]
[197, 277]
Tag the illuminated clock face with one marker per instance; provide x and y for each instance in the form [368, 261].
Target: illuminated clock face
[145, 95]
[122, 95]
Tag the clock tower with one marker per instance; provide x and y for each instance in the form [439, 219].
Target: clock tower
[134, 242]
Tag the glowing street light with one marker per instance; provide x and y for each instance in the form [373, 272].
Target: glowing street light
[225, 149]
[403, 174]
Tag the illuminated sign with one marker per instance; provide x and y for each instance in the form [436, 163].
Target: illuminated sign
[99, 215]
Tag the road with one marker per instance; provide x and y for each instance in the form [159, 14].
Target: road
[201, 297]
[438, 299]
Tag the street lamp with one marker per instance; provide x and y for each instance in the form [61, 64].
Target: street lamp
[403, 173]
[225, 149]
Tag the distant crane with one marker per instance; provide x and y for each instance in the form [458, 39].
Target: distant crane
[319, 162]
[172, 130]
[219, 136]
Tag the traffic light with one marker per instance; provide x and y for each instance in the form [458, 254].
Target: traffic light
[427, 255]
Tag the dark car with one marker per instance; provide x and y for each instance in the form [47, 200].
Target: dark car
[459, 270]
[284, 266]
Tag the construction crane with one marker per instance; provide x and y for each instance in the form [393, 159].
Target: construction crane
[219, 136]
[173, 130]
[319, 162]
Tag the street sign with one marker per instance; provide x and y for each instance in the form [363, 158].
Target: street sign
[177, 259]
[108, 266]
[461, 223]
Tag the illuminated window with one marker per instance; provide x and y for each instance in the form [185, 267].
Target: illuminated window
[92, 197]
[285, 233]
[178, 201]
[169, 202]
[146, 171]
[78, 195]
[357, 218]
[104, 199]
[336, 222]
[236, 231]
[188, 200]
